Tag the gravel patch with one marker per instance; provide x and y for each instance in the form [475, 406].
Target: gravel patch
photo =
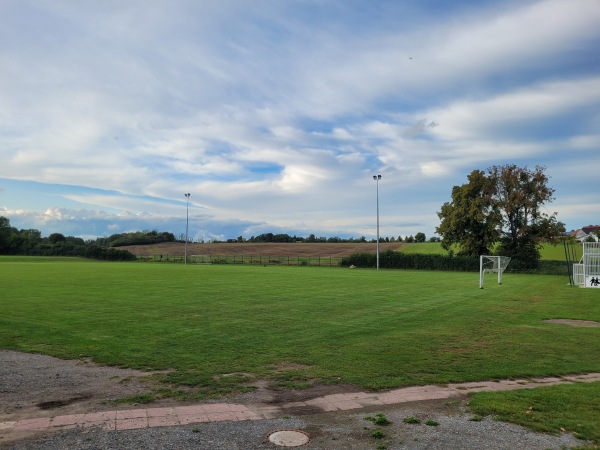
[328, 431]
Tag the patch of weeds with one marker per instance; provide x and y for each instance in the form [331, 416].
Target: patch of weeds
[381, 447]
[379, 419]
[195, 430]
[377, 434]
[411, 420]
[476, 418]
[432, 423]
[291, 379]
[142, 399]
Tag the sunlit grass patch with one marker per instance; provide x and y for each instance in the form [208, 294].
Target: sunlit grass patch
[555, 409]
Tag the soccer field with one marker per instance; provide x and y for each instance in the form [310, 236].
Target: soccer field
[375, 329]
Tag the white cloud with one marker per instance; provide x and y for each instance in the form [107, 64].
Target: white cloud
[278, 115]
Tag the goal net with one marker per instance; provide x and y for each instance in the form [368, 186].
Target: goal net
[492, 264]
[200, 259]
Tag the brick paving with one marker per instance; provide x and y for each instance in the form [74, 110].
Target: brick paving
[219, 412]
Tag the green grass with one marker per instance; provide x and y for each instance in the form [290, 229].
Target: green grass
[548, 252]
[212, 324]
[573, 408]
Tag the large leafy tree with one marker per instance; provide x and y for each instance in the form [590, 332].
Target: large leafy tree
[505, 206]
[470, 220]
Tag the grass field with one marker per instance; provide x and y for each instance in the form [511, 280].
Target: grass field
[548, 409]
[374, 329]
[548, 252]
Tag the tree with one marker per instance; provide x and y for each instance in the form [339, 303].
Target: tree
[6, 234]
[506, 207]
[55, 238]
[470, 220]
[30, 239]
[520, 195]
[420, 237]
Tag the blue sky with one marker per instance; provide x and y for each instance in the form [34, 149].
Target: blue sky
[275, 114]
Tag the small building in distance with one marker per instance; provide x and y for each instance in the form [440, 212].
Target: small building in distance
[585, 232]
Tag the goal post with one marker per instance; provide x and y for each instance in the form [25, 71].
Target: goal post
[491, 264]
[200, 259]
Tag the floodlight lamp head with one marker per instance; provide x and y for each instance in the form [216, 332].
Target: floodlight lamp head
[377, 177]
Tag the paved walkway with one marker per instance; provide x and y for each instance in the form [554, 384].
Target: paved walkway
[184, 415]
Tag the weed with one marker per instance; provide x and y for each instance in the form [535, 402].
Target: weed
[379, 419]
[411, 420]
[381, 447]
[195, 430]
[432, 423]
[476, 419]
[377, 434]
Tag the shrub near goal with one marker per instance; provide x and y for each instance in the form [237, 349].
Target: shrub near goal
[491, 264]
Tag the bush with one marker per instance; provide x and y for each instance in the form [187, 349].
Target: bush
[451, 263]
[413, 261]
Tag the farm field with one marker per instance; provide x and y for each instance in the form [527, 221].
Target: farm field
[302, 249]
[323, 250]
[371, 329]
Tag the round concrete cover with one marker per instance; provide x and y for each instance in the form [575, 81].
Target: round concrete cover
[289, 438]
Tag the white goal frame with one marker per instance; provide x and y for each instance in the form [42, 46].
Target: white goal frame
[200, 259]
[491, 264]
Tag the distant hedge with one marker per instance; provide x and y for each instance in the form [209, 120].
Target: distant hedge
[93, 252]
[415, 261]
[109, 254]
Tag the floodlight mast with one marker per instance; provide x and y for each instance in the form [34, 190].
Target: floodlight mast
[377, 178]
[187, 220]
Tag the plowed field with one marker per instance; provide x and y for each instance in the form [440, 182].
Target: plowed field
[266, 249]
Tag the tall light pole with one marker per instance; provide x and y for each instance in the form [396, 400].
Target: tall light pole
[377, 178]
[187, 220]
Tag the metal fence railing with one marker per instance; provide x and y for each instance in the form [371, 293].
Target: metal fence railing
[326, 261]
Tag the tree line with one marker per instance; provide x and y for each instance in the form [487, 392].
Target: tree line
[30, 242]
[286, 238]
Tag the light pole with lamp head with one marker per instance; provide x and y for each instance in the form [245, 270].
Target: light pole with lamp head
[377, 178]
[187, 219]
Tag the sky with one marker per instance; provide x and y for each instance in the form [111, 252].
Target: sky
[274, 115]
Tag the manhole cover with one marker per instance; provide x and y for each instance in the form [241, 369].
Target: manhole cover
[289, 438]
